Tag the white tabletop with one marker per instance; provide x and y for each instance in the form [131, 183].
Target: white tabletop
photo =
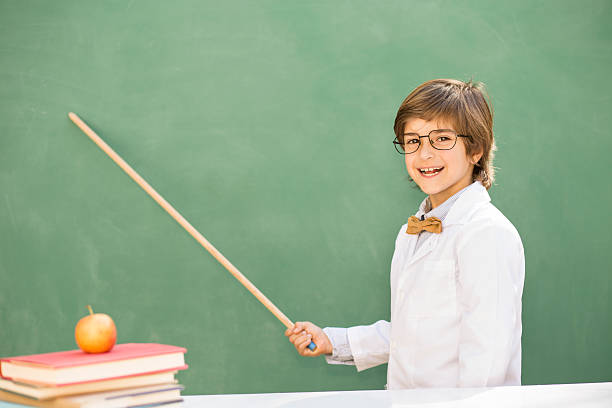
[558, 396]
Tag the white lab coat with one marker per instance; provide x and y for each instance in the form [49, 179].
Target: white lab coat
[455, 304]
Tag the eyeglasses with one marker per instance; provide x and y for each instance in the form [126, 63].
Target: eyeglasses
[440, 139]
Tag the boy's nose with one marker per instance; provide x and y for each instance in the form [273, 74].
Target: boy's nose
[426, 149]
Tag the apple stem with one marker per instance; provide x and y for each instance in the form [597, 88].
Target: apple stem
[90, 310]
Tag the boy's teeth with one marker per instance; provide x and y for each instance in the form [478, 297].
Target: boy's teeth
[431, 169]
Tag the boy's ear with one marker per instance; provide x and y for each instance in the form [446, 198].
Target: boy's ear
[475, 157]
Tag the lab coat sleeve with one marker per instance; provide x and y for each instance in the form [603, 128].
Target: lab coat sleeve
[370, 344]
[491, 270]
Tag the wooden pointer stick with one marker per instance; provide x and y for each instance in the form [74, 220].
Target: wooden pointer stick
[183, 222]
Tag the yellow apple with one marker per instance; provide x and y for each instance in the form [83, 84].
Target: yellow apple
[95, 333]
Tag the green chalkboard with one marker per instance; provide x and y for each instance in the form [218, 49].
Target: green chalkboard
[268, 125]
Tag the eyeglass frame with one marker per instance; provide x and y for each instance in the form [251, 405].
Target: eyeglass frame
[396, 143]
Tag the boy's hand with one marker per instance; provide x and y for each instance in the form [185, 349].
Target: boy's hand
[302, 333]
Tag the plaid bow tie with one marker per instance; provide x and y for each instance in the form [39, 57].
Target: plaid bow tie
[431, 224]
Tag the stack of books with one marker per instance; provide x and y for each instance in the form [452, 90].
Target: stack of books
[130, 375]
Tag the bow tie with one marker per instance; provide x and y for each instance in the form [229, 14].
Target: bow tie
[431, 224]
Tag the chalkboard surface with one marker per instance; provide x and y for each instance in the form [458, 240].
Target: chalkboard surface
[268, 125]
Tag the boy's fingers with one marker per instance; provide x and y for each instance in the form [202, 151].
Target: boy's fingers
[301, 338]
[300, 348]
[298, 338]
[306, 352]
[306, 343]
[299, 326]
[303, 342]
[296, 335]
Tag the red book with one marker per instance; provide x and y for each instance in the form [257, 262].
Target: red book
[76, 366]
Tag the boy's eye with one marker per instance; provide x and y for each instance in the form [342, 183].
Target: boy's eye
[409, 139]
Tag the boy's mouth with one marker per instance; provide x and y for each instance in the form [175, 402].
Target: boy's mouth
[430, 171]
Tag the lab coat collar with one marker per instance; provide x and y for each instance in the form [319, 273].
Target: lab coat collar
[470, 201]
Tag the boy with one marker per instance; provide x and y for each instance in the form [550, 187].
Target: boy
[458, 268]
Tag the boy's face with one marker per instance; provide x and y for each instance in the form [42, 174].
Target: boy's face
[455, 167]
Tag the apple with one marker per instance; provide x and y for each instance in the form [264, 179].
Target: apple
[95, 333]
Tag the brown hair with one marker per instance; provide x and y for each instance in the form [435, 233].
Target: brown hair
[464, 106]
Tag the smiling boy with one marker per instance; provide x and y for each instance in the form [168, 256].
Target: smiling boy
[458, 268]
